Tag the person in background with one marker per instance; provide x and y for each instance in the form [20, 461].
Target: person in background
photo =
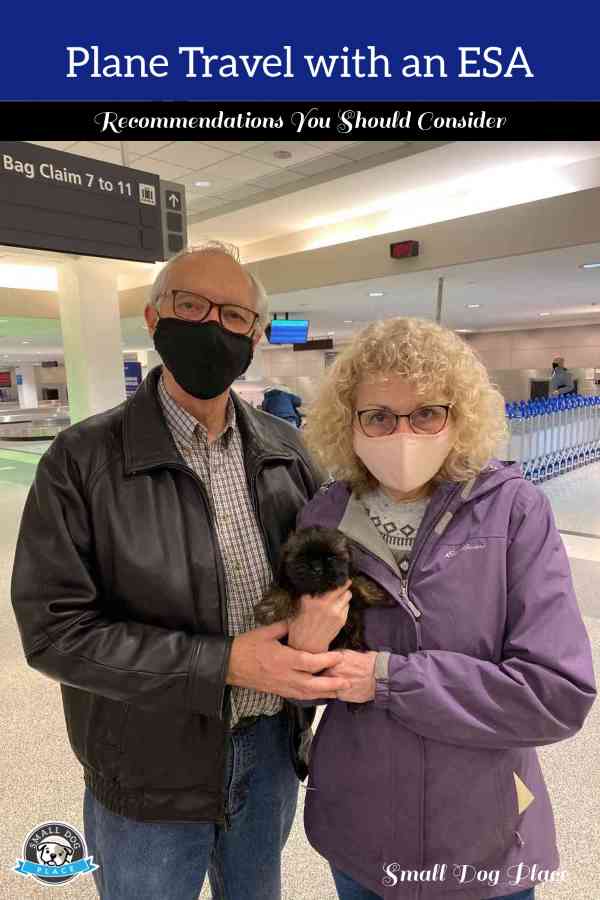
[562, 381]
[283, 403]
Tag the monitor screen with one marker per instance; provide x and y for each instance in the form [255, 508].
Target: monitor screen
[288, 331]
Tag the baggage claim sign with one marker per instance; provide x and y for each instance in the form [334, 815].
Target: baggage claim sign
[50, 200]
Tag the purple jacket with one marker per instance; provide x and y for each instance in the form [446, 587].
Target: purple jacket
[484, 658]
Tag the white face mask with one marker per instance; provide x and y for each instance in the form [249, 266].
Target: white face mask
[404, 462]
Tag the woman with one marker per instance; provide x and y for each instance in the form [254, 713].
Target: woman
[433, 790]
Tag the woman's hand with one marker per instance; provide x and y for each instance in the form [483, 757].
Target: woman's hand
[320, 619]
[359, 669]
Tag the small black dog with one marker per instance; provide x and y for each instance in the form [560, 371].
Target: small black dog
[315, 561]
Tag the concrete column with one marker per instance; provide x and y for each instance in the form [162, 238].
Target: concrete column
[27, 390]
[91, 331]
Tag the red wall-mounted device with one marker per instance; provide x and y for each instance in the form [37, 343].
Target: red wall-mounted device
[404, 249]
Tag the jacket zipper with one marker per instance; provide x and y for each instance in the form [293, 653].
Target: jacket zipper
[226, 820]
[412, 606]
[223, 604]
[414, 610]
[253, 480]
[404, 583]
[411, 566]
[415, 556]
[416, 615]
[226, 813]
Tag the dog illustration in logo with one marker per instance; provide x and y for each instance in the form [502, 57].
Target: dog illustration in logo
[54, 850]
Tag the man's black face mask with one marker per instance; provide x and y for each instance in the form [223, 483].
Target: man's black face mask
[203, 358]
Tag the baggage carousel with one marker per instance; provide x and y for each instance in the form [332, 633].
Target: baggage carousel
[33, 424]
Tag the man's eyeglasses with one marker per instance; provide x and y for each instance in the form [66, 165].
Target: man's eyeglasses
[381, 422]
[196, 308]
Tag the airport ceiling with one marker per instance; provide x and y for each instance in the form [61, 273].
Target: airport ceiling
[315, 192]
[224, 176]
[331, 182]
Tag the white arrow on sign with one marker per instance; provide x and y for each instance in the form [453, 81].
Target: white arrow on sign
[174, 200]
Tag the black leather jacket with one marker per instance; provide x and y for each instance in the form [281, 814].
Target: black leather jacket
[118, 590]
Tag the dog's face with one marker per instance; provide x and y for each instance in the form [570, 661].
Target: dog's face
[316, 560]
[54, 854]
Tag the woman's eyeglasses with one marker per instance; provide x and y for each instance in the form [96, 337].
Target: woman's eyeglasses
[196, 308]
[382, 422]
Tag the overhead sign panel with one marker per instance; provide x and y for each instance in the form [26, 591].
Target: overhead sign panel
[174, 217]
[51, 200]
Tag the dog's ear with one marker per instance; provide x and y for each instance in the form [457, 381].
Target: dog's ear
[340, 544]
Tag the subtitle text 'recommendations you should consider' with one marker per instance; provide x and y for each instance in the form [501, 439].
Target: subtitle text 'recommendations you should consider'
[344, 121]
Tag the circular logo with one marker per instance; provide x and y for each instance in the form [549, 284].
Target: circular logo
[54, 853]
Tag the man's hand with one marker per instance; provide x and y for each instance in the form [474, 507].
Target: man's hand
[359, 669]
[320, 619]
[258, 660]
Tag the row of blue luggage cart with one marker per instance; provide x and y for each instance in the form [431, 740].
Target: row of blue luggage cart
[550, 436]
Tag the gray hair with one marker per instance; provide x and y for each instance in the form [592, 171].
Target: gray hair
[261, 299]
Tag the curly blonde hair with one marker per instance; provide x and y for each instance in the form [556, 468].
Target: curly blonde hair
[439, 363]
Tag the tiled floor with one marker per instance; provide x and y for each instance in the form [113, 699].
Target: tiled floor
[575, 499]
[42, 781]
[37, 447]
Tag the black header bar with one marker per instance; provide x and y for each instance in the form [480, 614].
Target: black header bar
[199, 120]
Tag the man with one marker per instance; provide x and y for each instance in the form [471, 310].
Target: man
[149, 533]
[562, 381]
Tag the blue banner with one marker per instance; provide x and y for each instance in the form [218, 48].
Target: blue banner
[326, 51]
[26, 867]
[133, 376]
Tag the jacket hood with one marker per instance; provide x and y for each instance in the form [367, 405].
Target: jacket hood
[496, 473]
[328, 506]
[272, 388]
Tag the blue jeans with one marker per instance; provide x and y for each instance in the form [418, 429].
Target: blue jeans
[169, 861]
[348, 889]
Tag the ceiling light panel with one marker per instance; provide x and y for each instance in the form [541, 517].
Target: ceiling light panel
[239, 168]
[165, 170]
[190, 154]
[146, 148]
[98, 151]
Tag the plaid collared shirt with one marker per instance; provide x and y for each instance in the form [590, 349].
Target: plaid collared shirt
[220, 466]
